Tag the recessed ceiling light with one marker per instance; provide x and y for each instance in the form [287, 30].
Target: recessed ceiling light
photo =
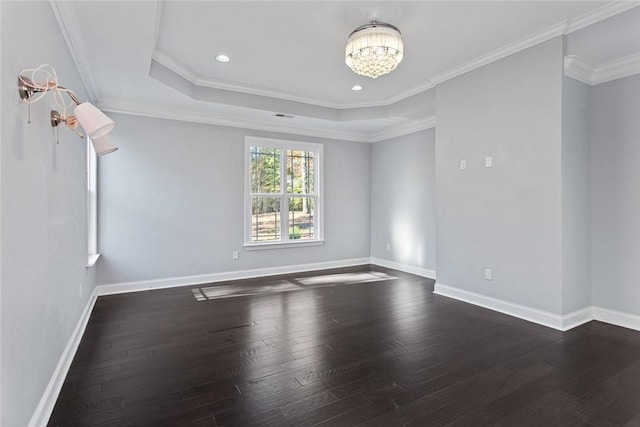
[356, 87]
[223, 58]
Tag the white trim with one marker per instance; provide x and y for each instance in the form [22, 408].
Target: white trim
[317, 193]
[500, 53]
[48, 400]
[600, 14]
[422, 87]
[145, 285]
[173, 65]
[576, 318]
[618, 318]
[92, 259]
[564, 27]
[418, 271]
[156, 27]
[617, 69]
[545, 318]
[580, 69]
[91, 195]
[219, 119]
[69, 24]
[282, 245]
[405, 129]
[71, 30]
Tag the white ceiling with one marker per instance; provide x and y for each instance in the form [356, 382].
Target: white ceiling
[157, 58]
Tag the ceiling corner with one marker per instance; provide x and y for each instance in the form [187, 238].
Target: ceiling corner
[579, 69]
[70, 28]
[583, 71]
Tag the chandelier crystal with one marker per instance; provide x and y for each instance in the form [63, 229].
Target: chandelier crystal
[374, 49]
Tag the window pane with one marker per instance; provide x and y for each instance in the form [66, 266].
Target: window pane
[300, 172]
[301, 218]
[265, 170]
[265, 219]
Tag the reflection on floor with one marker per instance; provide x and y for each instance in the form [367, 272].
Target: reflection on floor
[236, 290]
[385, 353]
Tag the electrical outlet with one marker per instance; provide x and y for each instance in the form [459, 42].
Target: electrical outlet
[463, 164]
[488, 274]
[235, 255]
[388, 247]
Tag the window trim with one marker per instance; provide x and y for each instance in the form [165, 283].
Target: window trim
[91, 192]
[284, 144]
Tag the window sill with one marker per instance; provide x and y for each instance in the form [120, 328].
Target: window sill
[281, 245]
[91, 261]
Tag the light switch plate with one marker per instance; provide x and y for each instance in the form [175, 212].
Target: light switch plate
[463, 164]
[488, 162]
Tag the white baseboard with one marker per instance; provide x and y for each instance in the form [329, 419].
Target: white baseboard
[45, 407]
[145, 285]
[563, 323]
[577, 318]
[541, 317]
[418, 271]
[617, 318]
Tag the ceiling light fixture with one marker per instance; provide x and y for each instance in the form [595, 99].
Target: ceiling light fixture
[223, 58]
[374, 49]
[356, 87]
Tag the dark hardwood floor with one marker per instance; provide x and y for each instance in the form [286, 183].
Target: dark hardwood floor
[377, 353]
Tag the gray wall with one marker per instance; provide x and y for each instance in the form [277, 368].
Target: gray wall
[403, 200]
[508, 217]
[615, 154]
[576, 196]
[45, 285]
[171, 202]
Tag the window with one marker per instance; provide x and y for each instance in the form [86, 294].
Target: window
[92, 205]
[283, 193]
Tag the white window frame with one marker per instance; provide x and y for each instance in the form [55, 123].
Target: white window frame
[283, 144]
[91, 173]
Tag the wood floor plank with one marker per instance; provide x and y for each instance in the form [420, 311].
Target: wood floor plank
[378, 353]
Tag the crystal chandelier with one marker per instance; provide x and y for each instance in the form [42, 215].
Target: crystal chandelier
[374, 49]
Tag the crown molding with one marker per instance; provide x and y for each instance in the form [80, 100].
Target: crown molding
[173, 65]
[600, 14]
[561, 28]
[617, 69]
[69, 24]
[218, 119]
[507, 50]
[423, 87]
[167, 61]
[70, 27]
[404, 129]
[214, 118]
[580, 69]
[156, 27]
